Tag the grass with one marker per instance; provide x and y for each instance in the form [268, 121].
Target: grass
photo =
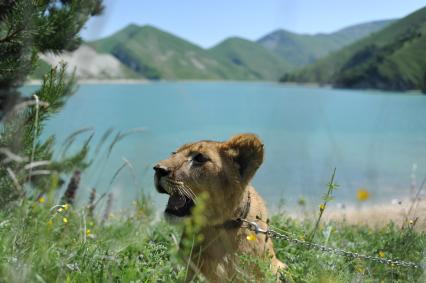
[40, 244]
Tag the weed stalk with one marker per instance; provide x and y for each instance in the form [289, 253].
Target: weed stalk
[331, 186]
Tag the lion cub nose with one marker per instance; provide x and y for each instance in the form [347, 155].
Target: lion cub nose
[161, 170]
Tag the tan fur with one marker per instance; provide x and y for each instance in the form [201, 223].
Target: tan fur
[225, 178]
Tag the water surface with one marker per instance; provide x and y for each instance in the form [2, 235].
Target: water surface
[372, 138]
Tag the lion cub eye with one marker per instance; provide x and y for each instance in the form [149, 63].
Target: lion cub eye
[200, 158]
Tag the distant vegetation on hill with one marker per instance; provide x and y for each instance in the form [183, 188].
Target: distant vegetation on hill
[148, 52]
[391, 59]
[303, 49]
[156, 54]
[251, 57]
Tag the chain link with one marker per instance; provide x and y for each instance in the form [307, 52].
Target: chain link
[253, 226]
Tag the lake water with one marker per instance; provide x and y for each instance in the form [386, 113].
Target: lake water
[373, 138]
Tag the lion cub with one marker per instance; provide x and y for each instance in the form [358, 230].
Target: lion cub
[223, 170]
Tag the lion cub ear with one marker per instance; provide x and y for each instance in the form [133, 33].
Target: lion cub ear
[246, 150]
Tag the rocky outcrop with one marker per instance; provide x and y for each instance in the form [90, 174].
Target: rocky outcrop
[89, 64]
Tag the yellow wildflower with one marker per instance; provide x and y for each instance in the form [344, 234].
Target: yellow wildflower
[251, 237]
[65, 220]
[362, 194]
[88, 232]
[50, 222]
[381, 254]
[41, 200]
[322, 207]
[66, 206]
[411, 222]
[60, 209]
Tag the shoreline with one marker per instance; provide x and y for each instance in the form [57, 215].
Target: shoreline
[96, 81]
[35, 82]
[373, 215]
[145, 81]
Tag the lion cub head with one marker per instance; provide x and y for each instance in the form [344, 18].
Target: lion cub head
[222, 170]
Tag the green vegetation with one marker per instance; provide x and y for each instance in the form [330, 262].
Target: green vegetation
[39, 244]
[303, 49]
[44, 237]
[156, 54]
[392, 59]
[251, 57]
[27, 28]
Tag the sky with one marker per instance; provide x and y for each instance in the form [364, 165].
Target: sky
[206, 23]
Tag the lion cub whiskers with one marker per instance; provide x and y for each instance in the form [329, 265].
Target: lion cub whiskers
[177, 187]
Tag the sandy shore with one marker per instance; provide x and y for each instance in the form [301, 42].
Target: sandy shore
[375, 215]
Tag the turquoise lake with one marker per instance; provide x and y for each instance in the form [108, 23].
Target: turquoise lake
[373, 138]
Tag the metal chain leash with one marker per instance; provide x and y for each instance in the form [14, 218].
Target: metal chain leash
[253, 226]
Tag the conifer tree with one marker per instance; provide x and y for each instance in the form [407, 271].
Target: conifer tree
[28, 28]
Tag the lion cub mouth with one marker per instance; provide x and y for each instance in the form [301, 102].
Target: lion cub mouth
[179, 205]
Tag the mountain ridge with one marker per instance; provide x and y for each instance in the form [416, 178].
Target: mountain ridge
[391, 59]
[149, 52]
[303, 49]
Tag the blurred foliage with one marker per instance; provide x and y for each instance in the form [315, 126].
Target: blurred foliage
[28, 27]
[20, 133]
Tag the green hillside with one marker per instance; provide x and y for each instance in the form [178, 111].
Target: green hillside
[303, 49]
[392, 59]
[157, 54]
[252, 57]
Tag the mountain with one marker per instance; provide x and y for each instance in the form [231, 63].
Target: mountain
[303, 49]
[392, 59]
[260, 62]
[148, 52]
[157, 54]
